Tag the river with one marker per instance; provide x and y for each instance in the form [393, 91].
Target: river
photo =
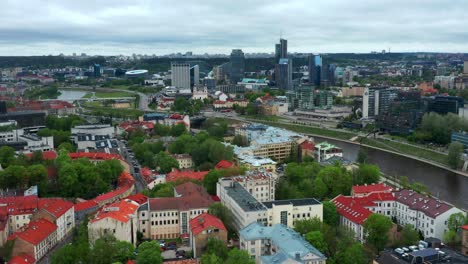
[448, 186]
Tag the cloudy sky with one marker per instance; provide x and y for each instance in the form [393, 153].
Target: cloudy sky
[110, 27]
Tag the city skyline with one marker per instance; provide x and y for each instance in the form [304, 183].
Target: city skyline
[164, 27]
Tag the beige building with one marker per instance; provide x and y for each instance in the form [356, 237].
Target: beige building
[184, 160]
[256, 163]
[204, 227]
[260, 184]
[351, 91]
[59, 212]
[169, 217]
[118, 219]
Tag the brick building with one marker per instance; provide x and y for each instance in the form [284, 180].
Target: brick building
[202, 228]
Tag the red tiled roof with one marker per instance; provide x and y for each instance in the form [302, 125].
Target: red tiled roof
[107, 196]
[308, 145]
[194, 175]
[131, 125]
[22, 259]
[95, 155]
[119, 211]
[85, 205]
[364, 189]
[55, 206]
[349, 208]
[193, 196]
[138, 198]
[416, 201]
[18, 205]
[36, 231]
[205, 221]
[224, 164]
[46, 155]
[465, 227]
[219, 102]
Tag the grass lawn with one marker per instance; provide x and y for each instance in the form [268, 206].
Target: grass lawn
[108, 94]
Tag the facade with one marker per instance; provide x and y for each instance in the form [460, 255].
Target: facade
[325, 150]
[461, 137]
[283, 48]
[118, 219]
[180, 74]
[184, 160]
[59, 212]
[445, 104]
[333, 113]
[464, 236]
[237, 60]
[283, 74]
[202, 228]
[286, 212]
[376, 100]
[200, 93]
[260, 184]
[36, 240]
[194, 77]
[278, 244]
[169, 217]
[315, 64]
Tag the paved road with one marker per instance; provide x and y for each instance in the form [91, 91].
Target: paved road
[140, 183]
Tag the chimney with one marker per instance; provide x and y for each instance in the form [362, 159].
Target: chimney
[201, 220]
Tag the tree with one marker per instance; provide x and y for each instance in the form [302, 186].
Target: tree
[368, 174]
[7, 155]
[451, 237]
[161, 190]
[222, 212]
[308, 225]
[409, 235]
[455, 221]
[237, 256]
[178, 130]
[67, 146]
[320, 189]
[376, 230]
[149, 252]
[455, 151]
[161, 130]
[315, 238]
[211, 259]
[210, 180]
[330, 215]
[216, 247]
[354, 254]
[123, 251]
[362, 156]
[165, 163]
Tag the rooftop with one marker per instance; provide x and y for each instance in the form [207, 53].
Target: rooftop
[205, 221]
[55, 206]
[22, 259]
[416, 201]
[255, 161]
[365, 189]
[294, 202]
[190, 196]
[325, 146]
[287, 240]
[176, 174]
[243, 198]
[224, 164]
[121, 211]
[36, 231]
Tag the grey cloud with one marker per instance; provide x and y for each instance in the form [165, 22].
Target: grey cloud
[164, 26]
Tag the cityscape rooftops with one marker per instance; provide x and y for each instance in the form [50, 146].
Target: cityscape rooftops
[36, 231]
[416, 201]
[205, 221]
[176, 174]
[17, 205]
[224, 164]
[293, 202]
[288, 241]
[85, 205]
[22, 259]
[189, 195]
[255, 160]
[243, 198]
[121, 211]
[55, 206]
[371, 188]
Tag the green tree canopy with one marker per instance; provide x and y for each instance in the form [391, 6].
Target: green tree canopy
[455, 152]
[165, 163]
[367, 174]
[376, 230]
[149, 252]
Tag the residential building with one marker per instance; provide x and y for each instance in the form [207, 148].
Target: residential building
[118, 219]
[237, 60]
[180, 75]
[306, 149]
[22, 259]
[59, 212]
[19, 211]
[184, 160]
[283, 74]
[325, 150]
[260, 184]
[36, 240]
[286, 212]
[176, 174]
[352, 91]
[464, 239]
[256, 163]
[224, 164]
[202, 228]
[169, 217]
[229, 103]
[278, 244]
[364, 190]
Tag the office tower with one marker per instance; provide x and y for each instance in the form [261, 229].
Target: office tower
[180, 75]
[283, 74]
[315, 69]
[377, 100]
[284, 48]
[194, 76]
[305, 97]
[97, 70]
[277, 52]
[237, 66]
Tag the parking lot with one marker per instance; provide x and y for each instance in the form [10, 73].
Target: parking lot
[171, 254]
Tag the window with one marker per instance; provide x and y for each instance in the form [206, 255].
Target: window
[252, 243]
[143, 214]
[284, 218]
[252, 250]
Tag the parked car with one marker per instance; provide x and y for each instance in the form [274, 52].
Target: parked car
[171, 247]
[180, 253]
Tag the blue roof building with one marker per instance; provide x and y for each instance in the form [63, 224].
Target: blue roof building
[278, 244]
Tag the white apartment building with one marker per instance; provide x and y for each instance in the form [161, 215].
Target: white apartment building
[260, 184]
[180, 73]
[118, 219]
[278, 244]
[247, 209]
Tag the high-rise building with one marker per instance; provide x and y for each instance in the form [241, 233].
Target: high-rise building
[283, 74]
[327, 74]
[194, 76]
[180, 75]
[284, 48]
[377, 100]
[305, 97]
[277, 52]
[237, 66]
[315, 69]
[97, 70]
